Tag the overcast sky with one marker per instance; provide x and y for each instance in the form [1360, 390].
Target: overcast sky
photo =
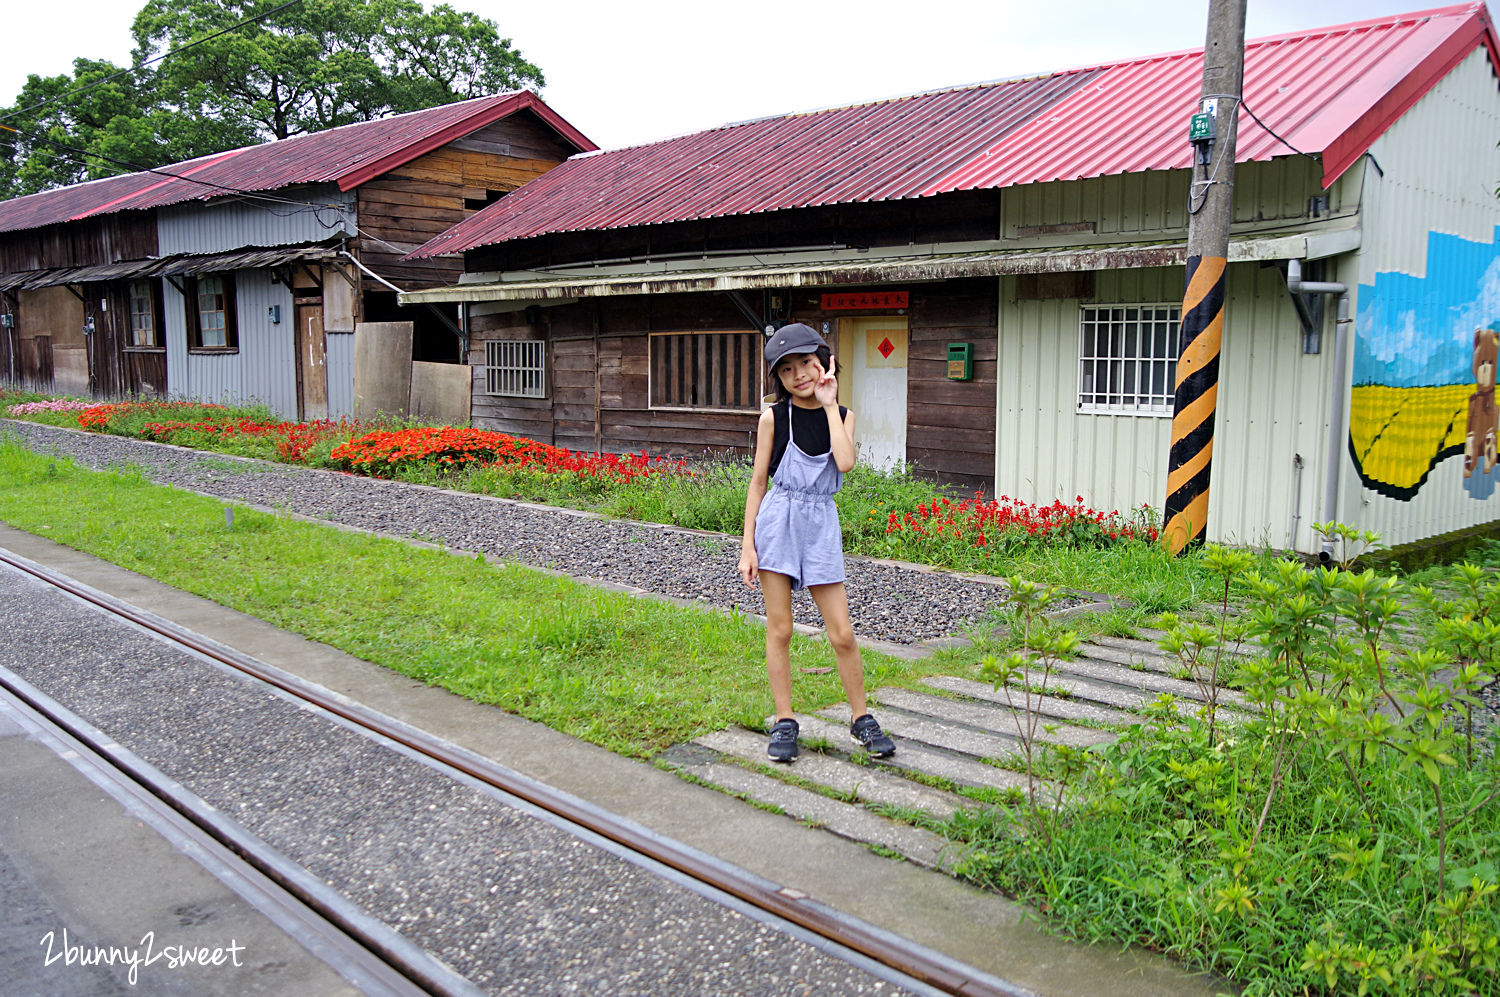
[626, 73]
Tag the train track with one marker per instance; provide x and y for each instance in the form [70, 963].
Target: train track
[920, 969]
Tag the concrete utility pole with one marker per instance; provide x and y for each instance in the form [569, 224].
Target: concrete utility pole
[1211, 208]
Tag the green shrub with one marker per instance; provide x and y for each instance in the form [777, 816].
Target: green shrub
[1343, 838]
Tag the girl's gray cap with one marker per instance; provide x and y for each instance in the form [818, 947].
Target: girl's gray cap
[790, 339]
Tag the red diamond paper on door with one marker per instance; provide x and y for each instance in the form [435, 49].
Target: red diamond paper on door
[886, 347]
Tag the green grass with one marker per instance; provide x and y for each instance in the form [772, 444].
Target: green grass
[632, 675]
[1141, 574]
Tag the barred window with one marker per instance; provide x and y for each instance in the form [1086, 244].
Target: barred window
[1127, 358]
[515, 367]
[706, 370]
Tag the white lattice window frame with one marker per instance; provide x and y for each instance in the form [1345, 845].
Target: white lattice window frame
[1127, 358]
[515, 368]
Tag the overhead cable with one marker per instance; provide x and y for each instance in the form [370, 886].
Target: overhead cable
[131, 168]
[132, 69]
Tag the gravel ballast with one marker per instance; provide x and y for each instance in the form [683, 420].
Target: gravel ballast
[516, 903]
[901, 604]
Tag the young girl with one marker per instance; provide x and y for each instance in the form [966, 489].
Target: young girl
[805, 443]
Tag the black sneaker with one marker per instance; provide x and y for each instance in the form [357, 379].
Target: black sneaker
[783, 746]
[868, 735]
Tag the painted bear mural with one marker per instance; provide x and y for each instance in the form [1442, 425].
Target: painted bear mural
[1484, 417]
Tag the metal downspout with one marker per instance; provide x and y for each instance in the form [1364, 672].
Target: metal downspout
[1296, 285]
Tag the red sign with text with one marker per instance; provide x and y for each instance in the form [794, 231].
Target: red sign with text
[849, 300]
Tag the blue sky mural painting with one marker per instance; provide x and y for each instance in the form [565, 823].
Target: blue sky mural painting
[1414, 365]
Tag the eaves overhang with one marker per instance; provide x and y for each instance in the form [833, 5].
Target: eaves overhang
[168, 266]
[765, 272]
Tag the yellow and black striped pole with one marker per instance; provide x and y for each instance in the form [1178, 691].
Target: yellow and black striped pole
[1195, 402]
[1210, 210]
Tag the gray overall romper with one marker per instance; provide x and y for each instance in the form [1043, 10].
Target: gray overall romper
[797, 526]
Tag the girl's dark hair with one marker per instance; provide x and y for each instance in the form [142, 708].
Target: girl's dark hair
[823, 353]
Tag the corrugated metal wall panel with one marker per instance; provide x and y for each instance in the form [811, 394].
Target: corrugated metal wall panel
[174, 325]
[1271, 407]
[268, 351]
[1273, 402]
[1431, 214]
[262, 371]
[1155, 204]
[199, 228]
[340, 375]
[1045, 450]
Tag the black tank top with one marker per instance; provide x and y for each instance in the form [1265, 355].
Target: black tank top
[811, 427]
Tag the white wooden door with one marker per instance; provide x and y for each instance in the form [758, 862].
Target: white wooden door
[873, 370]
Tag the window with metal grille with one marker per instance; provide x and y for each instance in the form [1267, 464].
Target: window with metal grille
[706, 370]
[1127, 358]
[515, 367]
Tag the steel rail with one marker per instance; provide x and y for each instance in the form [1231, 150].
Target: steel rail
[363, 951]
[909, 958]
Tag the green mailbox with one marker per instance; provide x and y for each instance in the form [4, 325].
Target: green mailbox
[960, 361]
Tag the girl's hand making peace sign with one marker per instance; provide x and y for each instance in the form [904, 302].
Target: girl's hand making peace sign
[827, 388]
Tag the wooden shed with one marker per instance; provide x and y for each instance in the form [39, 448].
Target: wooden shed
[249, 275]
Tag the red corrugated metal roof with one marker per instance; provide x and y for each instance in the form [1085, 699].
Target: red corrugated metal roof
[1331, 92]
[348, 156]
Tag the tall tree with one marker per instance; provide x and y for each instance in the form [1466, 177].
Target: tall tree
[323, 63]
[314, 65]
[69, 139]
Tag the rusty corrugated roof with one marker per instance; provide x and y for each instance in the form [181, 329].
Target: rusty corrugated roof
[347, 156]
[1328, 92]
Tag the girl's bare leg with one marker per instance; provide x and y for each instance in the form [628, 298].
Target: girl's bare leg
[777, 590]
[833, 603]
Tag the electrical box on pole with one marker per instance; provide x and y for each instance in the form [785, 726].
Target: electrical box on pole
[1211, 130]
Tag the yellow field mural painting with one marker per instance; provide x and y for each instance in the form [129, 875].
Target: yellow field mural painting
[1397, 435]
[1426, 355]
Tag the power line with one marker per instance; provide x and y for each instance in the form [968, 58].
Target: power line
[134, 168]
[1256, 118]
[164, 55]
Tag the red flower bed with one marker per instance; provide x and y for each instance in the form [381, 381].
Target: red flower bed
[292, 439]
[981, 523]
[99, 417]
[387, 451]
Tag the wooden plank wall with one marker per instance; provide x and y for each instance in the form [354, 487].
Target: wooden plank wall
[628, 423]
[599, 375]
[600, 386]
[128, 235]
[145, 372]
[409, 205]
[532, 418]
[950, 425]
[10, 363]
[111, 334]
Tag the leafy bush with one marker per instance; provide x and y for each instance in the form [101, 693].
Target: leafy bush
[1341, 838]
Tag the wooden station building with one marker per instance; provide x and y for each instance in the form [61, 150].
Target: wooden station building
[1001, 267]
